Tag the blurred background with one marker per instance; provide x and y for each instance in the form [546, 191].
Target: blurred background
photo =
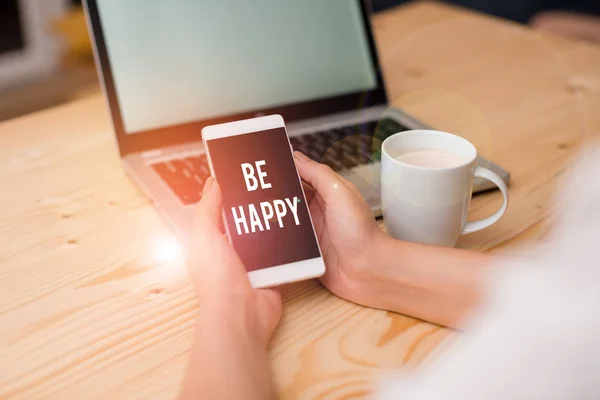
[46, 57]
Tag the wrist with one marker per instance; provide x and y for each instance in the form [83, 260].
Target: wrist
[226, 346]
[382, 277]
[435, 284]
[234, 320]
[368, 278]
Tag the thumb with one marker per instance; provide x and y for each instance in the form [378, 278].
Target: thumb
[208, 247]
[328, 184]
[207, 214]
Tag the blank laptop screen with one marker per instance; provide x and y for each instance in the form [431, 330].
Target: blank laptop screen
[181, 61]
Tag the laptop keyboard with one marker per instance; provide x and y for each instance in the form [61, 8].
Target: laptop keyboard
[349, 146]
[340, 148]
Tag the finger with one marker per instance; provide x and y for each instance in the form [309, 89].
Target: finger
[207, 214]
[206, 240]
[351, 186]
[271, 295]
[270, 308]
[309, 191]
[325, 181]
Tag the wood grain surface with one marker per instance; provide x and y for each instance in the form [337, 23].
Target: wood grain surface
[95, 303]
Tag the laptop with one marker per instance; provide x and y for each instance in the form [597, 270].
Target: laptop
[169, 68]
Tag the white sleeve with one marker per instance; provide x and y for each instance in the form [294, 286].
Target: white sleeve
[538, 335]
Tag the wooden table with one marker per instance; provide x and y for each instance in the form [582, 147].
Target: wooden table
[93, 304]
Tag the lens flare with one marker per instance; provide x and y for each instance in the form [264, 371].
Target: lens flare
[166, 248]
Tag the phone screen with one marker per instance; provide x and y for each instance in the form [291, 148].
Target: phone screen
[265, 212]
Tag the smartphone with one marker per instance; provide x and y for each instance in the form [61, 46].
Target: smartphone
[265, 212]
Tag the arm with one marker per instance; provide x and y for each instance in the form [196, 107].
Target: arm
[225, 352]
[536, 335]
[436, 284]
[367, 267]
[235, 321]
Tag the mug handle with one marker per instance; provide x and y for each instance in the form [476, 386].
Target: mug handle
[475, 226]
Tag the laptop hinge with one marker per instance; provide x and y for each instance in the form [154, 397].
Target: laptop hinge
[330, 121]
[152, 153]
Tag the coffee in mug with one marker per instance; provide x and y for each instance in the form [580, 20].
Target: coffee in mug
[430, 159]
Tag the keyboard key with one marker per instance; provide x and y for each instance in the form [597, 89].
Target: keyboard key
[188, 195]
[295, 142]
[299, 145]
[193, 163]
[330, 137]
[185, 177]
[179, 165]
[337, 134]
[387, 127]
[348, 162]
[347, 147]
[331, 160]
[364, 156]
[316, 153]
[311, 138]
[163, 170]
[204, 171]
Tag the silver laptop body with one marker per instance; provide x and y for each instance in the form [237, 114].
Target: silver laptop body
[159, 141]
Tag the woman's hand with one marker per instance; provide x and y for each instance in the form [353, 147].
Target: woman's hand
[235, 321]
[348, 234]
[221, 279]
[367, 267]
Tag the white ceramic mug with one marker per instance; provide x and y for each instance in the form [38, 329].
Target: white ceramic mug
[429, 205]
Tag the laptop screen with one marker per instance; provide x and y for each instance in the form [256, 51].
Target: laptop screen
[180, 61]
